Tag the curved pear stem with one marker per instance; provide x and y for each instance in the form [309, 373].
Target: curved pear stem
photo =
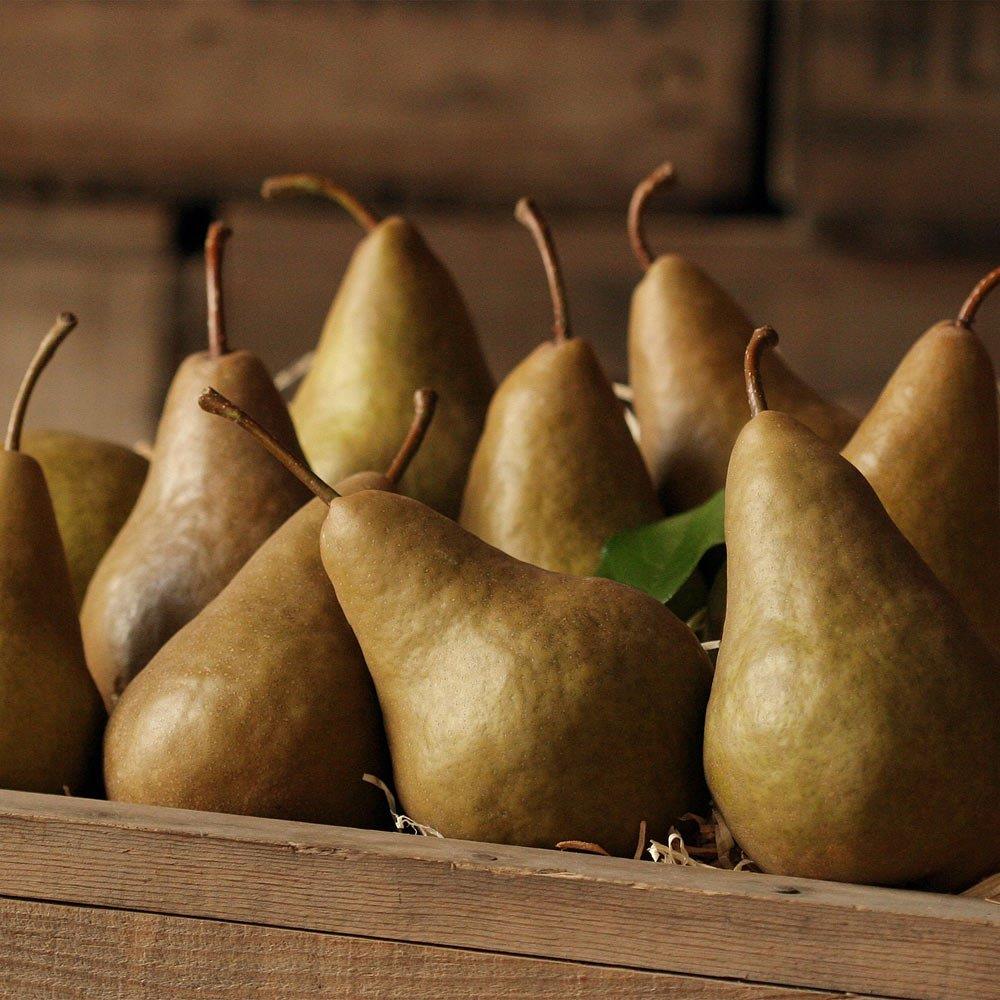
[215, 241]
[50, 342]
[763, 336]
[663, 174]
[214, 402]
[526, 212]
[424, 404]
[314, 184]
[983, 288]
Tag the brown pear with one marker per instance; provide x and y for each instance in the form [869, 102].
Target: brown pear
[210, 499]
[930, 447]
[686, 341]
[556, 472]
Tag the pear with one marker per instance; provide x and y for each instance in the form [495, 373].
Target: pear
[522, 706]
[930, 449]
[50, 713]
[397, 323]
[262, 704]
[210, 499]
[94, 485]
[556, 472]
[685, 342]
[852, 728]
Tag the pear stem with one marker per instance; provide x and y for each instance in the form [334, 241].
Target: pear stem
[424, 404]
[663, 174]
[50, 342]
[215, 241]
[526, 212]
[983, 288]
[214, 402]
[314, 184]
[763, 336]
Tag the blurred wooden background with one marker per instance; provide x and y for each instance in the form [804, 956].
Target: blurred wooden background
[837, 161]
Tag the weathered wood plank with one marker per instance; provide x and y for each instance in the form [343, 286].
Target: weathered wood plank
[519, 901]
[83, 953]
[463, 101]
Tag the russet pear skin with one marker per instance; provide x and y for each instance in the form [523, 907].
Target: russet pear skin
[211, 497]
[686, 342]
[398, 323]
[262, 705]
[930, 449]
[521, 706]
[51, 717]
[556, 472]
[852, 728]
[94, 485]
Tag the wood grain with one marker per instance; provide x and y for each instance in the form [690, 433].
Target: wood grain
[81, 953]
[738, 926]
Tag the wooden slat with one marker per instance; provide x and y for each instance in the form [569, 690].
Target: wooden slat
[464, 101]
[81, 953]
[512, 900]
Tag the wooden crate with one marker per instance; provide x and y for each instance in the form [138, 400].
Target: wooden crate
[112, 901]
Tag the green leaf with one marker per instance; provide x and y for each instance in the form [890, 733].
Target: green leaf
[659, 558]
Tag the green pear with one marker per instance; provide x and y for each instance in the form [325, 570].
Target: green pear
[262, 704]
[94, 485]
[930, 449]
[397, 323]
[852, 728]
[210, 499]
[686, 339]
[556, 472]
[50, 713]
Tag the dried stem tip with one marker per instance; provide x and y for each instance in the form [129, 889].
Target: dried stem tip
[983, 288]
[424, 404]
[531, 218]
[663, 174]
[214, 402]
[215, 241]
[50, 343]
[314, 184]
[763, 336]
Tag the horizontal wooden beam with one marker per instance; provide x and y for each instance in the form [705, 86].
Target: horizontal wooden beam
[517, 901]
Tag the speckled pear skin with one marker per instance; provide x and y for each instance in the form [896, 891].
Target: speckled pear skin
[556, 472]
[852, 729]
[686, 343]
[51, 715]
[94, 485]
[521, 706]
[398, 323]
[211, 498]
[262, 705]
[930, 449]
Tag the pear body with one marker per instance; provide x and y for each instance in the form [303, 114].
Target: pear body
[521, 706]
[211, 497]
[852, 729]
[930, 449]
[398, 323]
[556, 472]
[94, 485]
[51, 715]
[686, 343]
[261, 705]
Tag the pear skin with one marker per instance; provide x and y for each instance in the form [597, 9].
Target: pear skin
[686, 339]
[556, 472]
[930, 449]
[521, 706]
[852, 728]
[210, 499]
[94, 485]
[398, 322]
